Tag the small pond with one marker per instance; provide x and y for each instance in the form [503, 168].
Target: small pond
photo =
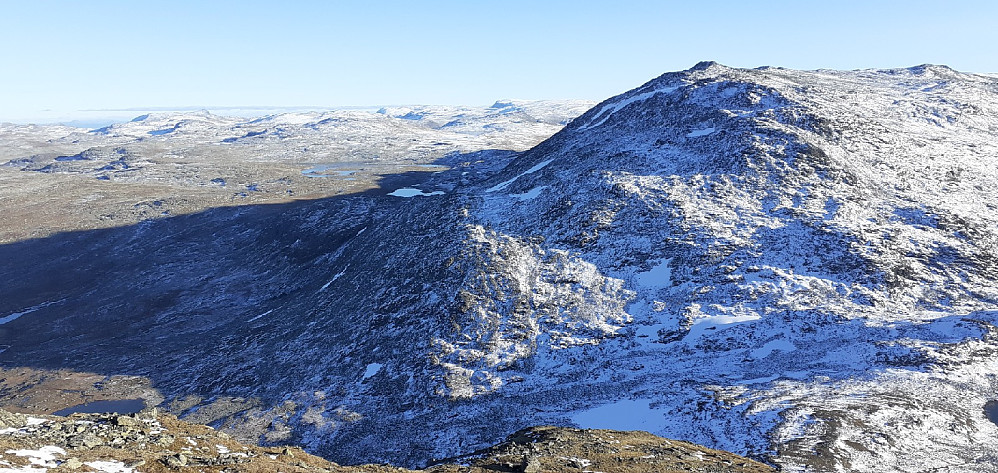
[120, 406]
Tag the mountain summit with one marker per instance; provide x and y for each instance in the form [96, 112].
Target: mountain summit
[796, 266]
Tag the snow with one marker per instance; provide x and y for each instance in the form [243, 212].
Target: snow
[700, 325]
[627, 414]
[263, 314]
[502, 185]
[608, 110]
[762, 380]
[222, 449]
[23, 469]
[581, 462]
[413, 192]
[109, 467]
[775, 345]
[701, 132]
[335, 277]
[44, 456]
[537, 167]
[648, 331]
[658, 276]
[17, 315]
[32, 421]
[531, 194]
[533, 169]
[372, 369]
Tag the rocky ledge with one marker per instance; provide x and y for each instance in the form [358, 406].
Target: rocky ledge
[151, 441]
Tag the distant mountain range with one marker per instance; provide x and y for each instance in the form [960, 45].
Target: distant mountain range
[795, 266]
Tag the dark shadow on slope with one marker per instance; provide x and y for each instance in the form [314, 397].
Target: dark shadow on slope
[229, 300]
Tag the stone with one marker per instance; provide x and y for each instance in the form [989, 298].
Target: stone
[127, 421]
[11, 420]
[72, 463]
[532, 465]
[85, 440]
[175, 461]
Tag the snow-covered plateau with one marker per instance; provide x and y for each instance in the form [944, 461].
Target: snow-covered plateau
[796, 266]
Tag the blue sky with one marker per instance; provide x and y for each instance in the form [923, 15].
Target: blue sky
[59, 57]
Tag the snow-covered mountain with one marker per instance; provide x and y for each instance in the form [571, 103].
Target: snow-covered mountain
[812, 257]
[795, 266]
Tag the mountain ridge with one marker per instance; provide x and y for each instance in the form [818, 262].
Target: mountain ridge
[796, 266]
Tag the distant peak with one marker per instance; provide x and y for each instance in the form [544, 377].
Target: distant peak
[923, 68]
[704, 65]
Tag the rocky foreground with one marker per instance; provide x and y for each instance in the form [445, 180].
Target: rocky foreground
[154, 442]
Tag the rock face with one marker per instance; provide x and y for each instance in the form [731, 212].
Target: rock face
[153, 442]
[147, 441]
[794, 266]
[554, 449]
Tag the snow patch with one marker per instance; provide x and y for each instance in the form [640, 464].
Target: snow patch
[608, 110]
[531, 194]
[372, 369]
[412, 192]
[17, 315]
[110, 466]
[335, 277]
[261, 315]
[504, 184]
[23, 469]
[705, 323]
[701, 132]
[658, 276]
[44, 456]
[774, 345]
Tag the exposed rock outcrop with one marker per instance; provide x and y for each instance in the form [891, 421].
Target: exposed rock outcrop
[154, 442]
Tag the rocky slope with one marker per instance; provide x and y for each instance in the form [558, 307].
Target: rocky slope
[154, 442]
[794, 266]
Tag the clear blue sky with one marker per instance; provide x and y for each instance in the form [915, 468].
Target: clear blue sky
[100, 54]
